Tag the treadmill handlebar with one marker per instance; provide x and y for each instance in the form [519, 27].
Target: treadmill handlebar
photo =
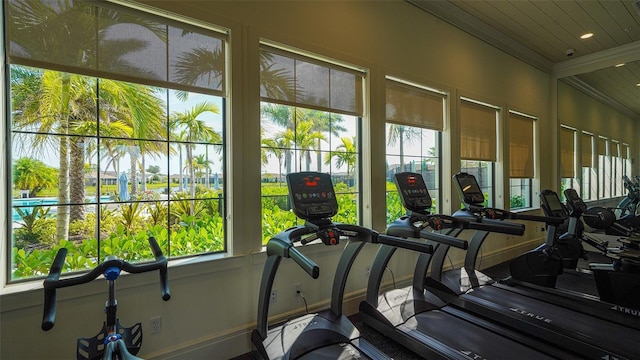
[404, 243]
[445, 239]
[404, 227]
[308, 265]
[497, 226]
[493, 213]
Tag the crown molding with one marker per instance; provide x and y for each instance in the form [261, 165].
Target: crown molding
[600, 96]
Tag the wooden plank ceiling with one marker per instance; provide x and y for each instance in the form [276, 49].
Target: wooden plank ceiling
[543, 32]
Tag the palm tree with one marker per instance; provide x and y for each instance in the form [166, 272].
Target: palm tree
[402, 135]
[201, 166]
[191, 130]
[277, 147]
[303, 139]
[326, 123]
[345, 154]
[281, 115]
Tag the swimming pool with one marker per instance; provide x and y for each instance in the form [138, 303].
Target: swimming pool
[28, 204]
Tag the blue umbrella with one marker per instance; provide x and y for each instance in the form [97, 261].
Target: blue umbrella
[123, 187]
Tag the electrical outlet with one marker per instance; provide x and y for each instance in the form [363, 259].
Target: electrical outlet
[297, 289]
[367, 271]
[156, 325]
[274, 296]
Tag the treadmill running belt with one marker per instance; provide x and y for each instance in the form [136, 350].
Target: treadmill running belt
[470, 340]
[606, 334]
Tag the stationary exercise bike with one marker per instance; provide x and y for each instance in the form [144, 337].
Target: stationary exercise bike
[113, 341]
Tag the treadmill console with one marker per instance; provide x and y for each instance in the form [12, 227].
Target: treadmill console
[468, 189]
[312, 196]
[550, 203]
[413, 192]
[574, 202]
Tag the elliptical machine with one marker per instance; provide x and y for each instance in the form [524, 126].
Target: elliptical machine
[328, 334]
[569, 249]
[618, 282]
[629, 205]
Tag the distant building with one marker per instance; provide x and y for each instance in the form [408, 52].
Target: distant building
[106, 178]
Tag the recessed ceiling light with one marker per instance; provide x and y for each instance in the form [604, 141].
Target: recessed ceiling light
[586, 36]
[620, 65]
[638, 84]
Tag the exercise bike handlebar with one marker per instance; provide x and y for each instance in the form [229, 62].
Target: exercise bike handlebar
[53, 281]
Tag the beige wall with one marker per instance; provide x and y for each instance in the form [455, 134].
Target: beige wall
[214, 303]
[584, 113]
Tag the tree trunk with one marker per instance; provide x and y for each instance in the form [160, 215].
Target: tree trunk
[76, 179]
[143, 174]
[62, 216]
[134, 175]
[191, 177]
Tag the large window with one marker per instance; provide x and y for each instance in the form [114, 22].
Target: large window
[415, 118]
[117, 133]
[567, 160]
[589, 176]
[604, 169]
[617, 168]
[478, 144]
[521, 160]
[311, 112]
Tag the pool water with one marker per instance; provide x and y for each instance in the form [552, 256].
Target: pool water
[28, 204]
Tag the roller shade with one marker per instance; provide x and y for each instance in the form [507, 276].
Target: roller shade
[615, 149]
[111, 41]
[567, 153]
[296, 80]
[587, 150]
[625, 151]
[477, 132]
[602, 146]
[521, 154]
[413, 106]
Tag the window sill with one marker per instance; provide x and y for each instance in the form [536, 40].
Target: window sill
[29, 294]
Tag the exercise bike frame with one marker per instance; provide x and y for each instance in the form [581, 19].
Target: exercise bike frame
[117, 341]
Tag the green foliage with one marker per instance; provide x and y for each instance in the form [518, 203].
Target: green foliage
[37, 227]
[517, 202]
[33, 175]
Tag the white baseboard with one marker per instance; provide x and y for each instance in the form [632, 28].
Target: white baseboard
[237, 341]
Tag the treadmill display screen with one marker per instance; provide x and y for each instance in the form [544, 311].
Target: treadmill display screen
[312, 195]
[468, 188]
[413, 192]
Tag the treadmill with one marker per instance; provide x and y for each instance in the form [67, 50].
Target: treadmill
[419, 320]
[327, 334]
[578, 332]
